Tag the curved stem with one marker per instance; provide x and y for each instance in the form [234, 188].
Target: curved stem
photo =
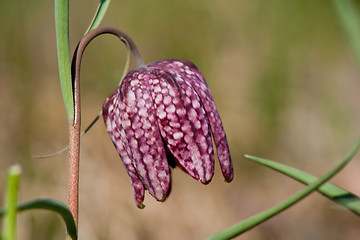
[107, 30]
[74, 135]
[76, 61]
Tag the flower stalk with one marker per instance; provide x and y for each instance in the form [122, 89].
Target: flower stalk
[75, 127]
[74, 162]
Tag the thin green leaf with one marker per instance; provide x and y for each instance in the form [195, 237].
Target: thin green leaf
[99, 14]
[63, 50]
[127, 62]
[335, 193]
[11, 195]
[267, 214]
[350, 21]
[52, 205]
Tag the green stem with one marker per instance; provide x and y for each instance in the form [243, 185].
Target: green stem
[52, 205]
[333, 192]
[11, 195]
[267, 214]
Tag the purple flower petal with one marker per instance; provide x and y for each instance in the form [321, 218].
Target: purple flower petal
[183, 126]
[116, 132]
[142, 131]
[187, 74]
[135, 113]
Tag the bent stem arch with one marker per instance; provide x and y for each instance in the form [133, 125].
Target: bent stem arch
[74, 134]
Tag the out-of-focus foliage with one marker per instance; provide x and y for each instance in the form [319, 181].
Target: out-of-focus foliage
[283, 79]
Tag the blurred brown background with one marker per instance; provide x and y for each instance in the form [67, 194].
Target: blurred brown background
[283, 79]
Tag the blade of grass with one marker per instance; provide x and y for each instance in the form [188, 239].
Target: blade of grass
[334, 193]
[63, 50]
[99, 14]
[350, 22]
[267, 214]
[11, 195]
[52, 205]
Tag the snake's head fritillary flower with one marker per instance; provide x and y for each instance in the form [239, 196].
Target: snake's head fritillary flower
[161, 116]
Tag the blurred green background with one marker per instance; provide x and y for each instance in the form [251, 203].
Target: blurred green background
[283, 79]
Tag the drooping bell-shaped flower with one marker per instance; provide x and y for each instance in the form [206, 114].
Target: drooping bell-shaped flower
[164, 115]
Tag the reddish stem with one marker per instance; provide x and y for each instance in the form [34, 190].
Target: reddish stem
[74, 161]
[74, 134]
